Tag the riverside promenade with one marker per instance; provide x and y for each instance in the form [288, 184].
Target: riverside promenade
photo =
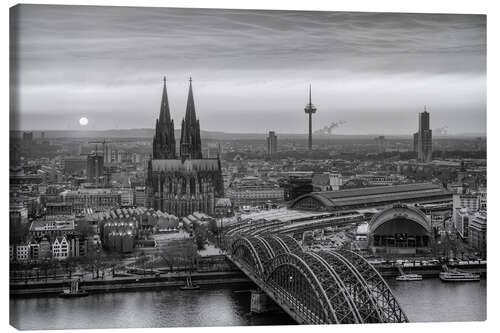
[388, 271]
[127, 283]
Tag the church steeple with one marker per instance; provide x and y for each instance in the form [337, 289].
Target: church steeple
[190, 132]
[190, 110]
[164, 139]
[164, 109]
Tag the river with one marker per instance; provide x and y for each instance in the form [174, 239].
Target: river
[229, 305]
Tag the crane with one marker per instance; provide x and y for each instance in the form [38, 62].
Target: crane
[104, 147]
[106, 172]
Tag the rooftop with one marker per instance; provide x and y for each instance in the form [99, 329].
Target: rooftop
[375, 194]
[53, 225]
[120, 213]
[186, 165]
[90, 191]
[223, 202]
[280, 214]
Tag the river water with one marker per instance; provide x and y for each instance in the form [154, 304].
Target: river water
[229, 305]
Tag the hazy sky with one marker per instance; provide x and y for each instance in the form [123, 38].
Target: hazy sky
[250, 69]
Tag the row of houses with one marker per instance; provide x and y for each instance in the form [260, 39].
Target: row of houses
[62, 247]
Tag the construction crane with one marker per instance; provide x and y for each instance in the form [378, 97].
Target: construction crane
[106, 172]
[104, 147]
[96, 167]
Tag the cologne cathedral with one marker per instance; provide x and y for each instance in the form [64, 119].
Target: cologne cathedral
[182, 183]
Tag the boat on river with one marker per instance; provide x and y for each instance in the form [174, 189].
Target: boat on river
[458, 276]
[455, 275]
[409, 277]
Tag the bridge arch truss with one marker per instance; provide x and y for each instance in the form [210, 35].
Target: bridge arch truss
[324, 287]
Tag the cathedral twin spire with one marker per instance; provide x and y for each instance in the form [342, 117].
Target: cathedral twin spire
[190, 132]
[164, 139]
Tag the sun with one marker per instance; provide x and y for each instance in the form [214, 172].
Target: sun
[84, 121]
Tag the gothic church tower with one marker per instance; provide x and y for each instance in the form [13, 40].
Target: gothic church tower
[164, 139]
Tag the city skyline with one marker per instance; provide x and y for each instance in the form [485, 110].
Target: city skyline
[245, 168]
[245, 78]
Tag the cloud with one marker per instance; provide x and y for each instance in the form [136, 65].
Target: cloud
[76, 59]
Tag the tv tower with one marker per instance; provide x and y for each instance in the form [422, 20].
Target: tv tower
[310, 109]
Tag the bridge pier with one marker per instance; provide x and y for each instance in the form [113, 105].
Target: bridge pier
[260, 302]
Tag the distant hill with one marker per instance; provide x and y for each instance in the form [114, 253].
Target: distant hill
[210, 135]
[125, 133]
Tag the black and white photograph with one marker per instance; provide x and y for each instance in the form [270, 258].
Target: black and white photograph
[204, 167]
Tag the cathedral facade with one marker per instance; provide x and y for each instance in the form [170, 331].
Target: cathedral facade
[184, 182]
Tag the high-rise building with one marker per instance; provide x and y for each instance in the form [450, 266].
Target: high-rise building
[422, 140]
[108, 157]
[310, 109]
[272, 143]
[188, 183]
[95, 168]
[381, 143]
[415, 142]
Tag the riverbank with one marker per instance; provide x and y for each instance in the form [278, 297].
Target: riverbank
[226, 305]
[177, 279]
[430, 271]
[135, 283]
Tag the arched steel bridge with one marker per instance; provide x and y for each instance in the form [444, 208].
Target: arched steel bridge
[326, 287]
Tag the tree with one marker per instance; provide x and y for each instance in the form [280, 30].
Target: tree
[94, 260]
[141, 259]
[71, 264]
[113, 260]
[200, 242]
[178, 252]
[200, 234]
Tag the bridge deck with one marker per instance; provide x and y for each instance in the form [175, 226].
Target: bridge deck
[335, 287]
[262, 285]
